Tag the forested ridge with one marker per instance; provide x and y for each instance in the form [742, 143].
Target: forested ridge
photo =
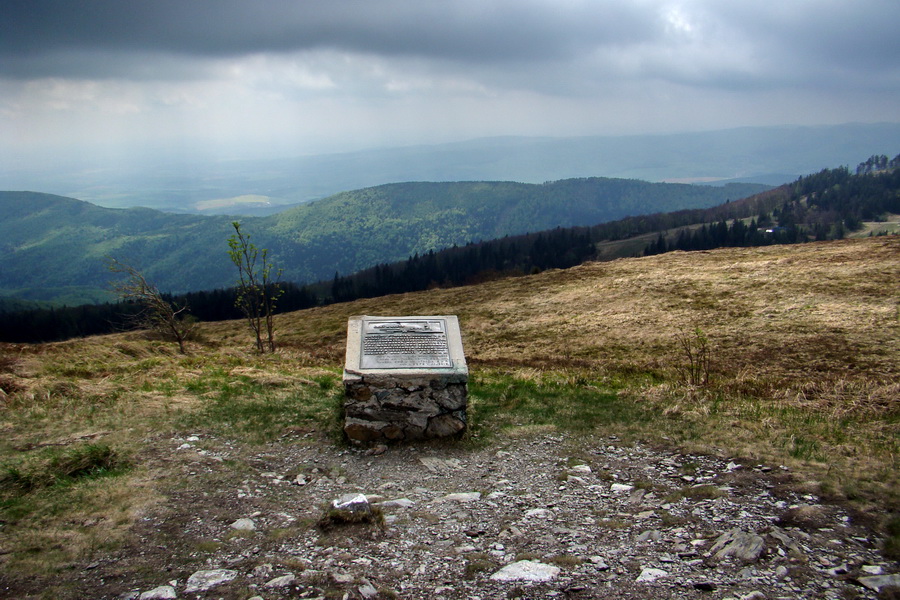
[52, 248]
[823, 206]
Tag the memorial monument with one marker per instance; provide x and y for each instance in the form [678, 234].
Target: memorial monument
[405, 378]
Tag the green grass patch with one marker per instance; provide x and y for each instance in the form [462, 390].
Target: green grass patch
[55, 467]
[241, 408]
[696, 492]
[499, 401]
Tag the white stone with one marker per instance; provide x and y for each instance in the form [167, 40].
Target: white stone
[872, 569]
[244, 525]
[351, 503]
[204, 580]
[368, 591]
[584, 469]
[398, 503]
[163, 592]
[526, 570]
[648, 575]
[620, 487]
[462, 497]
[539, 513]
[876, 582]
[281, 582]
[440, 465]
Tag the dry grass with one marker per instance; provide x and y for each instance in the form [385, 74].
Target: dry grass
[805, 364]
[805, 344]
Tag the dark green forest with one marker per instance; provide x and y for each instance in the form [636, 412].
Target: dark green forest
[53, 248]
[823, 206]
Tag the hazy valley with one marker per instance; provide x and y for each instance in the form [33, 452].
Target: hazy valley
[195, 180]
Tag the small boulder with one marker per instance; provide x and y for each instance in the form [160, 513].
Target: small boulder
[738, 544]
[163, 592]
[281, 582]
[649, 575]
[244, 525]
[204, 580]
[526, 570]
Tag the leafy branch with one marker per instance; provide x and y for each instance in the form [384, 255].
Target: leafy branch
[156, 314]
[257, 292]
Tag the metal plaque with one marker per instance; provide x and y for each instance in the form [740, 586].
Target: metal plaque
[407, 344]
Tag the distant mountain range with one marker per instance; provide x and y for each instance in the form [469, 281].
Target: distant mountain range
[53, 248]
[180, 182]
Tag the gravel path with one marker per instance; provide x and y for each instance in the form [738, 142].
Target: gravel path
[539, 517]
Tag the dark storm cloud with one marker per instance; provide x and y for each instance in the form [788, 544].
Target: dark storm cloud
[308, 75]
[37, 35]
[705, 42]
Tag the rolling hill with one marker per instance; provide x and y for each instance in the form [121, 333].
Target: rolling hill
[53, 247]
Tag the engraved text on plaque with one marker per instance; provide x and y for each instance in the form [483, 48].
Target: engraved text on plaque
[407, 344]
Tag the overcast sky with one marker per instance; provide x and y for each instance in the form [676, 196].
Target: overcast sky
[240, 78]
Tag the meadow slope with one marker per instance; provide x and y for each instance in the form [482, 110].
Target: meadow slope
[113, 447]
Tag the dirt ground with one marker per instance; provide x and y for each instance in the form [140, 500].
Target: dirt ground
[609, 520]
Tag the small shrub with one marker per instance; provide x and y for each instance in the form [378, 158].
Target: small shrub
[702, 492]
[85, 461]
[78, 462]
[566, 561]
[334, 517]
[478, 563]
[891, 549]
[696, 353]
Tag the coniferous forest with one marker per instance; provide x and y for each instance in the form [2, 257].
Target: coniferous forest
[824, 206]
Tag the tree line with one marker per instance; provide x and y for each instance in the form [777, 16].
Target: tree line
[825, 205]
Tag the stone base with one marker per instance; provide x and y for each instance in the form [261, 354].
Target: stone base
[381, 408]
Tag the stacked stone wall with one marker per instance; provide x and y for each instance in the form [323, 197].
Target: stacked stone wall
[385, 409]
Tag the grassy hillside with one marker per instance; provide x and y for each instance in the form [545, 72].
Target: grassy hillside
[54, 247]
[804, 347]
[356, 229]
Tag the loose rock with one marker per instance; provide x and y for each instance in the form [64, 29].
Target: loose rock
[526, 570]
[163, 592]
[204, 580]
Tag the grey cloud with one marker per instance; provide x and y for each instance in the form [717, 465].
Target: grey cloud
[726, 44]
[814, 39]
[35, 35]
